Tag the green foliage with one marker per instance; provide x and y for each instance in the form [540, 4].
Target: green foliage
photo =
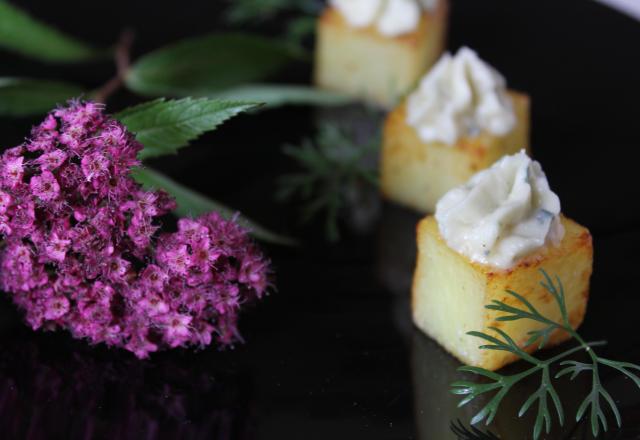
[165, 126]
[303, 13]
[25, 97]
[192, 203]
[275, 95]
[300, 28]
[252, 11]
[27, 36]
[198, 67]
[471, 433]
[502, 384]
[206, 65]
[330, 165]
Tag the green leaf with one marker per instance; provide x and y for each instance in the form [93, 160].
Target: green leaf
[25, 97]
[165, 126]
[23, 34]
[275, 95]
[191, 203]
[205, 65]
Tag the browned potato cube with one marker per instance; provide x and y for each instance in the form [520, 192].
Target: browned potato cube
[450, 292]
[363, 63]
[417, 174]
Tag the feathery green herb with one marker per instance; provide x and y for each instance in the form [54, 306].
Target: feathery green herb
[332, 165]
[252, 11]
[298, 16]
[471, 433]
[546, 396]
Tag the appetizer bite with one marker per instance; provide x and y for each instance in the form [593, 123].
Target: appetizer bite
[490, 235]
[378, 49]
[461, 119]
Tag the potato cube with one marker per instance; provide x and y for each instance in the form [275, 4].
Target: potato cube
[417, 174]
[363, 63]
[450, 292]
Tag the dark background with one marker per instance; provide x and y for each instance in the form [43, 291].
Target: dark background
[332, 353]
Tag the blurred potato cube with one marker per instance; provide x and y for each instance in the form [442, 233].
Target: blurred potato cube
[378, 69]
[417, 174]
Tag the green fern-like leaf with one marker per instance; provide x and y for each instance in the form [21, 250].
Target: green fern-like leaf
[593, 405]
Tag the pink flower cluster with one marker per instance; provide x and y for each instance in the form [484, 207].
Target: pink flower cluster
[82, 249]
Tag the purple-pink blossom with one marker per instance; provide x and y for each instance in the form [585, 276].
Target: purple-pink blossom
[83, 250]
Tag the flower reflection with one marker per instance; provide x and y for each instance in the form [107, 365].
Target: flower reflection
[48, 393]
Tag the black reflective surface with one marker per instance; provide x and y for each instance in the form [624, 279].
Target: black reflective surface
[332, 353]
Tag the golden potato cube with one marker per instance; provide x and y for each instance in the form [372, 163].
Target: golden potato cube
[417, 174]
[450, 292]
[363, 63]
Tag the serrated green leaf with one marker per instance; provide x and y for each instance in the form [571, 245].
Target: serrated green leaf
[192, 203]
[28, 36]
[165, 126]
[25, 97]
[275, 95]
[206, 65]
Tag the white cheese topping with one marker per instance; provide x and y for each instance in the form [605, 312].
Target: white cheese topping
[502, 213]
[460, 96]
[390, 17]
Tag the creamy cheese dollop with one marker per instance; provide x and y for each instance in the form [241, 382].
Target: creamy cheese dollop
[391, 17]
[460, 96]
[502, 213]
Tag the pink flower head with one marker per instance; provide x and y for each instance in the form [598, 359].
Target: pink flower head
[55, 248]
[140, 345]
[56, 307]
[23, 218]
[116, 269]
[82, 250]
[12, 171]
[45, 186]
[5, 201]
[49, 123]
[177, 259]
[153, 277]
[192, 231]
[112, 136]
[176, 328]
[153, 305]
[51, 160]
[94, 165]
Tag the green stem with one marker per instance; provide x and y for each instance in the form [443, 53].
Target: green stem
[122, 57]
[539, 365]
[587, 347]
[583, 346]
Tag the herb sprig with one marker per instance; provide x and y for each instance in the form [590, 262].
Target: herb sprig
[299, 16]
[545, 396]
[333, 167]
[471, 433]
